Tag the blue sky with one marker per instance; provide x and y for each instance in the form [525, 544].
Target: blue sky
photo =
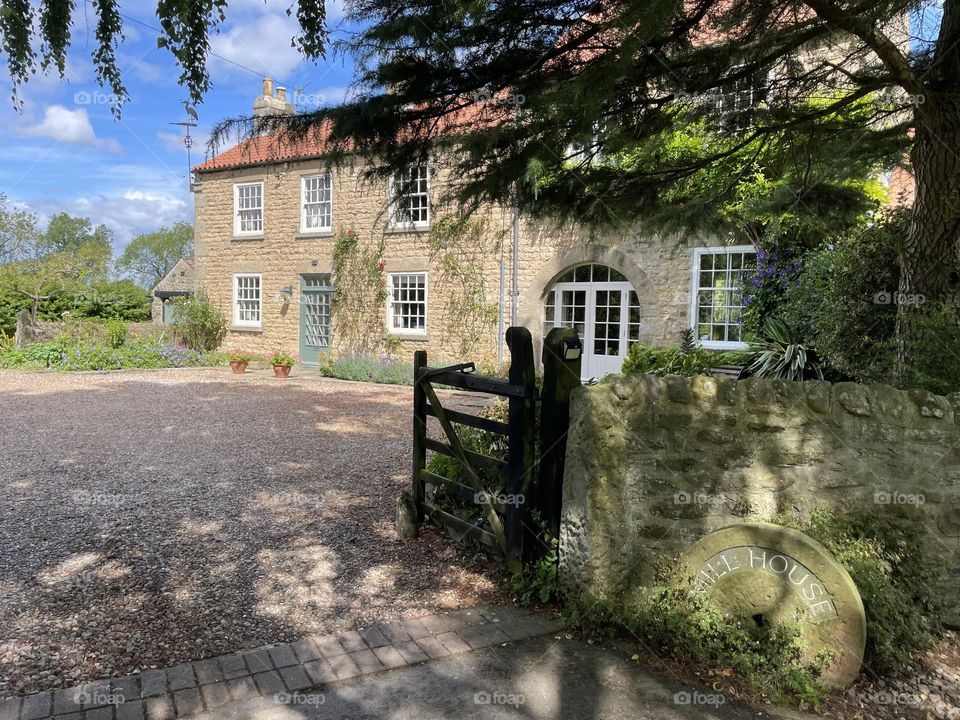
[64, 150]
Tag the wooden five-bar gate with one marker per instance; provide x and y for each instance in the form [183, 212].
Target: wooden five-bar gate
[506, 520]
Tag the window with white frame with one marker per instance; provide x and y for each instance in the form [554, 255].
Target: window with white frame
[719, 278]
[410, 197]
[248, 208]
[407, 303]
[316, 201]
[247, 300]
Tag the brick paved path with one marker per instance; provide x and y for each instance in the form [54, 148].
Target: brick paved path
[278, 671]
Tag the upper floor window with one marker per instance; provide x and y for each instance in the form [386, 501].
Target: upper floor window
[316, 203]
[719, 276]
[247, 300]
[407, 303]
[737, 102]
[410, 198]
[248, 208]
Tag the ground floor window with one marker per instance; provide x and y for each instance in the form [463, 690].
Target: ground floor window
[719, 276]
[407, 303]
[602, 306]
[247, 300]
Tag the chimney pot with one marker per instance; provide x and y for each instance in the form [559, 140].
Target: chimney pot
[281, 93]
[267, 87]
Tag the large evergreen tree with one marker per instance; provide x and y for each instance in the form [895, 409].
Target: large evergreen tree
[513, 85]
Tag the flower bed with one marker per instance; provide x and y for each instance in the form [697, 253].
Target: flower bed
[94, 355]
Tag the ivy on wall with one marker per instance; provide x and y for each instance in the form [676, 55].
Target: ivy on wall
[459, 250]
[360, 291]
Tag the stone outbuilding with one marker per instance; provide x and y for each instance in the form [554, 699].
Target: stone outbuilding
[179, 282]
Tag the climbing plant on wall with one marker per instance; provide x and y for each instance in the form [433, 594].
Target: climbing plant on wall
[459, 248]
[360, 288]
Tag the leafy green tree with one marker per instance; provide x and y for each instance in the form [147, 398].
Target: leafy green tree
[63, 260]
[18, 229]
[149, 257]
[78, 235]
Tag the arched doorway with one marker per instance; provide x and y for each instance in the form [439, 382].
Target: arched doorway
[602, 306]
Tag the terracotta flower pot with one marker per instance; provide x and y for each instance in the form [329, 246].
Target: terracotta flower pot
[281, 371]
[238, 366]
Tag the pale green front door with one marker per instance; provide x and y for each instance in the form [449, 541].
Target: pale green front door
[316, 292]
[168, 307]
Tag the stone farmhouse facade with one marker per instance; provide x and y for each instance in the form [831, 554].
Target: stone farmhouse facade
[267, 221]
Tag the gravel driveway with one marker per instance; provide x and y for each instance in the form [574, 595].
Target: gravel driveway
[149, 518]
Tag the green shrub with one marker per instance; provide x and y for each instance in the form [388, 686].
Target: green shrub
[116, 332]
[367, 368]
[671, 620]
[843, 306]
[645, 359]
[885, 557]
[199, 323]
[98, 355]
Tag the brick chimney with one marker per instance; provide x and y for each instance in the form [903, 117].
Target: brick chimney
[268, 104]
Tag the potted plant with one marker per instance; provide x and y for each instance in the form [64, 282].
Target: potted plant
[239, 361]
[282, 362]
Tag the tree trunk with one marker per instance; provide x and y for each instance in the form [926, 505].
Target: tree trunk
[930, 254]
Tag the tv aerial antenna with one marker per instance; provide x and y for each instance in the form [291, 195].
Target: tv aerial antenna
[187, 139]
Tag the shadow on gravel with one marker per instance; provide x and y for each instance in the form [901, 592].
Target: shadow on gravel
[149, 523]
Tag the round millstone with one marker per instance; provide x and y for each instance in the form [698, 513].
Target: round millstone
[775, 574]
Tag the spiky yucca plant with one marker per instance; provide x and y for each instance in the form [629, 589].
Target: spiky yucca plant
[780, 355]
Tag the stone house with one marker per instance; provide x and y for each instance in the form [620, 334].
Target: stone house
[179, 282]
[268, 219]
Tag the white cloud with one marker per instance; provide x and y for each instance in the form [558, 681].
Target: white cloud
[261, 44]
[70, 126]
[127, 213]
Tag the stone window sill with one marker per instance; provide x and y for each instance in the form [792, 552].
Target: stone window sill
[400, 229]
[410, 337]
[314, 235]
[244, 329]
[244, 238]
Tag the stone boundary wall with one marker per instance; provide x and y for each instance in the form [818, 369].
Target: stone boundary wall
[49, 329]
[653, 464]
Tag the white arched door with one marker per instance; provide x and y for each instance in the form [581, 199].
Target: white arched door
[602, 306]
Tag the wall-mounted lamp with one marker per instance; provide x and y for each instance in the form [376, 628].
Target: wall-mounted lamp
[572, 348]
[286, 292]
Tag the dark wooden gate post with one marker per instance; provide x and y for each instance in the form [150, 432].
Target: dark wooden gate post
[419, 431]
[562, 352]
[522, 421]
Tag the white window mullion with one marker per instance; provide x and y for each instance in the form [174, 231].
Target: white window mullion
[248, 209]
[247, 300]
[717, 288]
[316, 203]
[407, 297]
